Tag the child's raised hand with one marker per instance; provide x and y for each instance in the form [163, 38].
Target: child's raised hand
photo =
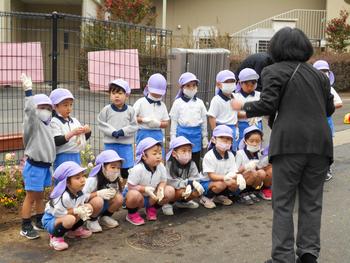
[187, 192]
[26, 82]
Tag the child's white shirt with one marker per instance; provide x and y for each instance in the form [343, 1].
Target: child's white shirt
[64, 202]
[251, 97]
[140, 175]
[242, 158]
[188, 114]
[336, 99]
[91, 185]
[143, 108]
[61, 127]
[214, 163]
[222, 111]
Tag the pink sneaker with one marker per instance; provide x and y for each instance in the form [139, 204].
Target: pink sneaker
[80, 232]
[266, 194]
[135, 219]
[151, 213]
[57, 243]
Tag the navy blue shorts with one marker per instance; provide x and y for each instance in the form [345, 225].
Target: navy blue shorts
[145, 198]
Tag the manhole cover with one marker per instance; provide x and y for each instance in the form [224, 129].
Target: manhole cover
[154, 239]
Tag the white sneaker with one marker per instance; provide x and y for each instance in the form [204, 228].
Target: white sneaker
[168, 210]
[94, 226]
[207, 202]
[222, 199]
[189, 204]
[108, 222]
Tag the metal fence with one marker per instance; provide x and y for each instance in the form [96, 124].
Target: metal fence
[65, 42]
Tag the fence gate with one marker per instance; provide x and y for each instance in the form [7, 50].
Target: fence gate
[77, 53]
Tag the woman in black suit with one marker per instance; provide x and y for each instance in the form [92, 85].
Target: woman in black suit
[301, 146]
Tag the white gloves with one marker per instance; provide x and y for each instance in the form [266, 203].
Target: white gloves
[187, 192]
[106, 194]
[26, 82]
[146, 120]
[83, 211]
[241, 182]
[153, 123]
[251, 165]
[237, 134]
[205, 142]
[263, 162]
[229, 176]
[253, 121]
[160, 194]
[199, 188]
[149, 190]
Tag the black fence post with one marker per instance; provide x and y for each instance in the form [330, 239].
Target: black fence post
[54, 52]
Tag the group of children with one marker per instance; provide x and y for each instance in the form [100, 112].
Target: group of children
[235, 166]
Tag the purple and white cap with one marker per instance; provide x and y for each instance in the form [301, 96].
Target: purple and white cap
[224, 75]
[156, 84]
[64, 171]
[183, 80]
[322, 64]
[107, 156]
[245, 75]
[59, 95]
[144, 145]
[177, 142]
[221, 130]
[246, 131]
[42, 99]
[123, 84]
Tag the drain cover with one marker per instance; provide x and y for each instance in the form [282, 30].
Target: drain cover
[154, 239]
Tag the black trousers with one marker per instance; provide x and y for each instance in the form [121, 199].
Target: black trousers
[304, 173]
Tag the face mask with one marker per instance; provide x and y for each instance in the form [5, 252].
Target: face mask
[253, 149]
[111, 175]
[228, 88]
[327, 74]
[183, 158]
[223, 146]
[44, 115]
[153, 98]
[190, 92]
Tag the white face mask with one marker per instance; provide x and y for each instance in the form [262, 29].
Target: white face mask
[111, 175]
[253, 149]
[228, 88]
[44, 115]
[190, 92]
[184, 158]
[154, 98]
[222, 146]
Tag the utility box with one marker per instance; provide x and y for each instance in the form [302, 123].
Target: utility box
[204, 63]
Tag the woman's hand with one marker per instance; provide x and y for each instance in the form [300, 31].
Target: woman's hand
[236, 105]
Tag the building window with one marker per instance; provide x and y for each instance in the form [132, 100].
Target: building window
[263, 45]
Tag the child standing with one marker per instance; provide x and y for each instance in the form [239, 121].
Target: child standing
[220, 111]
[323, 66]
[183, 174]
[104, 180]
[249, 162]
[147, 183]
[151, 112]
[220, 176]
[70, 136]
[188, 116]
[67, 208]
[40, 152]
[117, 121]
[245, 92]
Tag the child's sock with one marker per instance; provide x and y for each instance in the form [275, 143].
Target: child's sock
[226, 192]
[77, 225]
[60, 230]
[156, 206]
[38, 218]
[107, 213]
[210, 194]
[93, 218]
[132, 210]
[26, 222]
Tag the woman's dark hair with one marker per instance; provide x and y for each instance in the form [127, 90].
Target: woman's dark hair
[290, 44]
[115, 88]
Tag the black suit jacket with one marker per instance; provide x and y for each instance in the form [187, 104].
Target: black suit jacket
[302, 109]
